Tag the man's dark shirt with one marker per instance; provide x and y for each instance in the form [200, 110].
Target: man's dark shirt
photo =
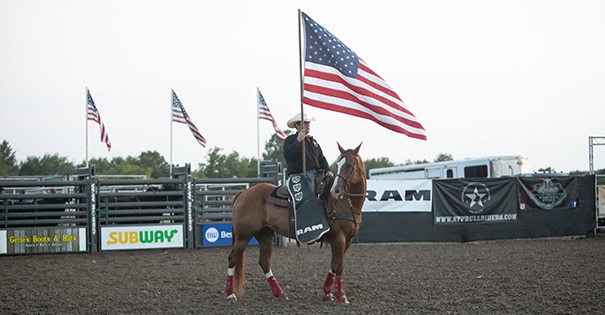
[315, 158]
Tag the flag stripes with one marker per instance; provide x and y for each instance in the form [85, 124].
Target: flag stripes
[179, 115]
[93, 114]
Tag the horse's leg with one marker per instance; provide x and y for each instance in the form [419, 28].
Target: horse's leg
[265, 241]
[334, 279]
[235, 269]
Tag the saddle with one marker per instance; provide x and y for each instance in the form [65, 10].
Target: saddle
[307, 211]
[281, 197]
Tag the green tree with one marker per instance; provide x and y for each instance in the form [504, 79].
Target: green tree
[377, 163]
[444, 157]
[154, 164]
[8, 161]
[409, 162]
[274, 149]
[47, 165]
[225, 166]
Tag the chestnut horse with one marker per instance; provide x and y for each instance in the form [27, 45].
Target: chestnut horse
[253, 216]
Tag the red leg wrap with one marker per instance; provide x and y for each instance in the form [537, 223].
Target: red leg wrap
[340, 293]
[276, 289]
[328, 286]
[229, 285]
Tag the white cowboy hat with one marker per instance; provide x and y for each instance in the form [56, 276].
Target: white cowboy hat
[296, 119]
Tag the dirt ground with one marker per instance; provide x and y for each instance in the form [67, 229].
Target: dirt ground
[537, 276]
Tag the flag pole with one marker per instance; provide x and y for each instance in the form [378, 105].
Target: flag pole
[86, 123]
[257, 132]
[302, 113]
[171, 101]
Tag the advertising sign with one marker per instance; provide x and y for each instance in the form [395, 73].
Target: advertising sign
[142, 237]
[42, 240]
[219, 234]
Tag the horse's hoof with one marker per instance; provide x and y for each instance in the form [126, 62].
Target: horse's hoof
[342, 299]
[282, 296]
[232, 298]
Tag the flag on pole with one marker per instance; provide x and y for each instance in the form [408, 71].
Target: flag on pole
[336, 79]
[265, 113]
[179, 115]
[93, 114]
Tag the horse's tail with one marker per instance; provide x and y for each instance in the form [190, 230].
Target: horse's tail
[238, 273]
[238, 276]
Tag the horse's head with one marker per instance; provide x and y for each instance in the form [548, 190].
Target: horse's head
[350, 178]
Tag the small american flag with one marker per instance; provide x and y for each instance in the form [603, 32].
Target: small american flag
[336, 79]
[265, 113]
[179, 115]
[93, 114]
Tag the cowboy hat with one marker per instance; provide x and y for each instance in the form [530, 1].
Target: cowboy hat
[292, 122]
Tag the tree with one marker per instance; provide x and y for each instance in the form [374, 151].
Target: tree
[377, 163]
[444, 157]
[8, 161]
[154, 164]
[47, 165]
[225, 166]
[274, 149]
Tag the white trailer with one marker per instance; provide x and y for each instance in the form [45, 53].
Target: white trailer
[485, 167]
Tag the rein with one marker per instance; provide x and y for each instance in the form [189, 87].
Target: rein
[336, 214]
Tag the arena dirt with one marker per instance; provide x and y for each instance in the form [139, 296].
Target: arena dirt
[537, 276]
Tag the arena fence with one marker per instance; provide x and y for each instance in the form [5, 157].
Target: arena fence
[84, 213]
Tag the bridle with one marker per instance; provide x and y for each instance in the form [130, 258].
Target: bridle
[336, 214]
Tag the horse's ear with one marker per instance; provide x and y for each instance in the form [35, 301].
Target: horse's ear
[358, 147]
[340, 147]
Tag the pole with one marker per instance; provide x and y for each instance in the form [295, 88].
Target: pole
[302, 113]
[86, 122]
[257, 132]
[171, 101]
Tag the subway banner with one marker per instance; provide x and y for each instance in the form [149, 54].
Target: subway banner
[547, 193]
[398, 196]
[485, 201]
[142, 237]
[42, 240]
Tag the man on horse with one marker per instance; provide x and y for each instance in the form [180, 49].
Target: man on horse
[309, 215]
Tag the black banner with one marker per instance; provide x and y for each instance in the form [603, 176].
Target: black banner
[465, 201]
[548, 192]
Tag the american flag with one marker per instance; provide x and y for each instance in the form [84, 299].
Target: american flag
[93, 114]
[179, 115]
[265, 113]
[336, 79]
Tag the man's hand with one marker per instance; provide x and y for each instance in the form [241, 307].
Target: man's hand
[301, 136]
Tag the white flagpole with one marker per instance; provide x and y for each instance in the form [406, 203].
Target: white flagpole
[300, 69]
[257, 132]
[171, 97]
[86, 122]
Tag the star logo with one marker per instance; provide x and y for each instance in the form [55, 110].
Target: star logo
[475, 195]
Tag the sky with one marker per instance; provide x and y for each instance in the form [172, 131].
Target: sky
[485, 78]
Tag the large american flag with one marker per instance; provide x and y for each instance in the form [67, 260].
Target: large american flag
[336, 79]
[179, 115]
[265, 113]
[93, 114]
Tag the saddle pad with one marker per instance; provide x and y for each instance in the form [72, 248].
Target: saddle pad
[310, 221]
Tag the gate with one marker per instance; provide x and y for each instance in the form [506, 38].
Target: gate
[142, 214]
[45, 216]
[212, 208]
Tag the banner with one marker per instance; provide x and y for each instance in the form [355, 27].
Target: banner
[464, 201]
[547, 193]
[42, 240]
[398, 196]
[601, 201]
